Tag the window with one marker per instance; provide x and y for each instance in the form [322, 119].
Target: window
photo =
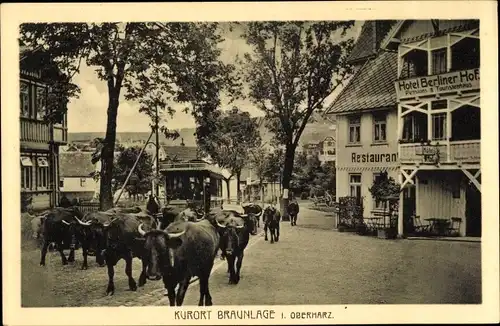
[380, 204]
[466, 123]
[439, 61]
[355, 187]
[83, 182]
[465, 54]
[415, 127]
[26, 173]
[25, 99]
[40, 102]
[438, 105]
[414, 64]
[61, 183]
[439, 126]
[354, 130]
[455, 191]
[42, 173]
[379, 127]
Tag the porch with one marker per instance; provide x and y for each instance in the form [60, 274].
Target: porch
[437, 202]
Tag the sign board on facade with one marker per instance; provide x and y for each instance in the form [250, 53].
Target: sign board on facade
[430, 153]
[428, 85]
[374, 157]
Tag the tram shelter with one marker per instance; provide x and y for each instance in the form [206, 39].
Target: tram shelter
[194, 181]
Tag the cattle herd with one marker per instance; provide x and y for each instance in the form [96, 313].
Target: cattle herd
[173, 243]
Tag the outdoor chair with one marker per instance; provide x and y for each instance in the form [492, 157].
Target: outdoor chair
[418, 226]
[454, 228]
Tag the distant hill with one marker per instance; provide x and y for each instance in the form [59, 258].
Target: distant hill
[317, 129]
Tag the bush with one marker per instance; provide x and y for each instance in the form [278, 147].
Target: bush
[304, 195]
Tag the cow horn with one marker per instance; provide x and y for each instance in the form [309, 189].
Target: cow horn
[175, 235]
[222, 226]
[239, 226]
[141, 230]
[83, 223]
[65, 222]
[109, 223]
[200, 219]
[158, 225]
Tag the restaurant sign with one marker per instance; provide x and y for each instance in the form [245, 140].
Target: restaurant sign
[428, 85]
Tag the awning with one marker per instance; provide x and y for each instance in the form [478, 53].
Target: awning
[42, 162]
[26, 161]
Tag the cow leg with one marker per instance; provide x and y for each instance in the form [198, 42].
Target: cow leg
[85, 252]
[182, 291]
[230, 263]
[111, 273]
[265, 232]
[271, 231]
[238, 267]
[44, 252]
[203, 289]
[170, 287]
[208, 297]
[277, 232]
[128, 270]
[61, 252]
[142, 278]
[71, 257]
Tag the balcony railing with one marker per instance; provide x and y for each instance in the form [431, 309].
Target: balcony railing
[467, 151]
[34, 131]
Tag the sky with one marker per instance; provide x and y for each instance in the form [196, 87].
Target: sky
[88, 112]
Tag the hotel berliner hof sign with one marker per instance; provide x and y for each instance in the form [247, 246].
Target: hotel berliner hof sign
[462, 80]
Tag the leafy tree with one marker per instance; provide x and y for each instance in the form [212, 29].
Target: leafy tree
[295, 67]
[233, 134]
[258, 163]
[384, 188]
[140, 180]
[156, 63]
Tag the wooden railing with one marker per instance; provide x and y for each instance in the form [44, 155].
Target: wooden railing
[34, 131]
[468, 151]
[465, 151]
[190, 166]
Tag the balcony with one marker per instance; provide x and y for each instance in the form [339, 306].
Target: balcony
[466, 151]
[34, 131]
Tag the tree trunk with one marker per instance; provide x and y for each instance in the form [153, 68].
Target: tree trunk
[238, 187]
[228, 191]
[287, 176]
[107, 154]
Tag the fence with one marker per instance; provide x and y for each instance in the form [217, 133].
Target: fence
[87, 207]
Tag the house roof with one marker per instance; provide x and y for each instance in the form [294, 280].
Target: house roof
[369, 40]
[75, 164]
[181, 153]
[401, 24]
[371, 87]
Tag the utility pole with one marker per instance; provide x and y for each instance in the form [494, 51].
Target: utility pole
[157, 163]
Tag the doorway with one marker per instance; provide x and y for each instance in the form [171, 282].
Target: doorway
[409, 207]
[473, 211]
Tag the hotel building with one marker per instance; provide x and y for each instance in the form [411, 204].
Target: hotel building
[438, 121]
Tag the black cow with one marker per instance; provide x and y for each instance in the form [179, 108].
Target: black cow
[178, 256]
[123, 241]
[56, 228]
[90, 232]
[170, 214]
[235, 229]
[272, 219]
[293, 212]
[254, 209]
[152, 206]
